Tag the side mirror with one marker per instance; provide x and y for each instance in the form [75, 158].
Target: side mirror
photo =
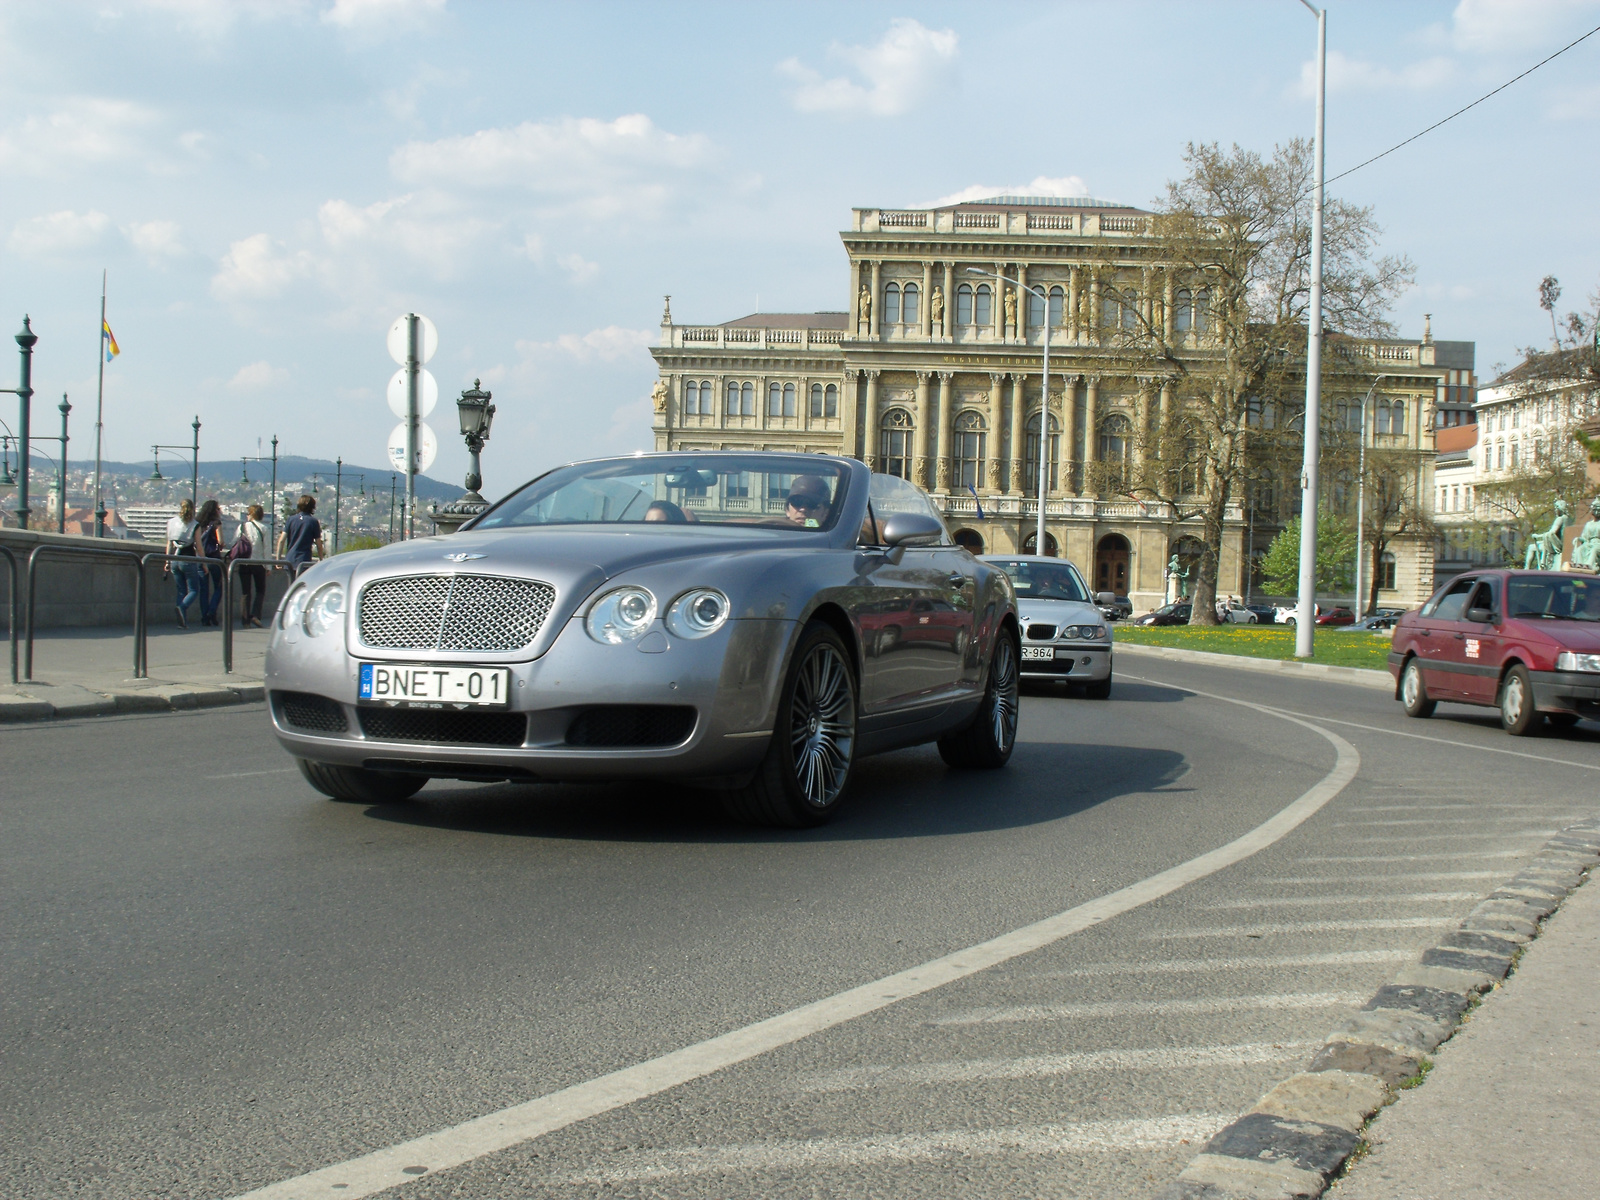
[1481, 616]
[902, 528]
[1106, 598]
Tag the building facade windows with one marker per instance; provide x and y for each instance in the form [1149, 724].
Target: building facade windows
[1386, 572]
[741, 399]
[824, 400]
[1030, 462]
[699, 399]
[969, 448]
[1114, 432]
[894, 443]
[974, 305]
[781, 400]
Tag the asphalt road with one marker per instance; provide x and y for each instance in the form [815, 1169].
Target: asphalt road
[215, 980]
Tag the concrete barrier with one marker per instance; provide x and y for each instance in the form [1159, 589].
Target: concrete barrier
[97, 590]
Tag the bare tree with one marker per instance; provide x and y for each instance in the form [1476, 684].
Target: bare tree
[1392, 510]
[1236, 230]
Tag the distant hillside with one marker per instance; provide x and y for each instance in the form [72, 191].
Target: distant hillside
[291, 468]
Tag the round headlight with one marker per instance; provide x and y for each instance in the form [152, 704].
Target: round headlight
[621, 616]
[324, 610]
[698, 613]
[294, 608]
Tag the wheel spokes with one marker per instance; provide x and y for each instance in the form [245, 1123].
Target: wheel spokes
[821, 725]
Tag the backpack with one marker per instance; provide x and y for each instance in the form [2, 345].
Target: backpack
[241, 547]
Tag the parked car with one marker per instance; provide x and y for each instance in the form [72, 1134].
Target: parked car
[1372, 624]
[1336, 616]
[713, 617]
[1167, 614]
[1113, 607]
[1234, 613]
[1065, 636]
[1266, 614]
[1526, 642]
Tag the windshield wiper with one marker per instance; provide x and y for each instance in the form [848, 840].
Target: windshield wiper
[1545, 615]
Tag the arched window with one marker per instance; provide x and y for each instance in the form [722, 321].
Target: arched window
[969, 447]
[816, 399]
[891, 304]
[831, 402]
[1030, 544]
[1057, 297]
[1030, 461]
[1380, 418]
[1114, 431]
[969, 540]
[1202, 311]
[1110, 312]
[982, 306]
[1130, 311]
[1513, 456]
[909, 297]
[964, 304]
[1386, 571]
[1397, 419]
[733, 398]
[774, 400]
[691, 398]
[894, 443]
[1183, 311]
[789, 408]
[747, 400]
[1035, 310]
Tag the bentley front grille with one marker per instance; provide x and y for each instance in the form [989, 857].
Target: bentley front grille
[453, 612]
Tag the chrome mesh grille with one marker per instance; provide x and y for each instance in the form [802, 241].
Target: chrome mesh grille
[453, 612]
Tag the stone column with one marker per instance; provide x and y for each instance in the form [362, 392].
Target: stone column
[855, 299]
[1166, 307]
[949, 301]
[1091, 424]
[927, 299]
[849, 393]
[1141, 429]
[991, 467]
[947, 424]
[870, 457]
[877, 301]
[1094, 311]
[1069, 435]
[919, 469]
[1147, 299]
[1072, 306]
[1164, 412]
[1021, 330]
[1018, 437]
[999, 313]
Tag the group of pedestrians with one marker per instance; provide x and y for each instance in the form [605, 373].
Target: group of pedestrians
[195, 540]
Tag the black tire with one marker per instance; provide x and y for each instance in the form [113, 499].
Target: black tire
[1100, 689]
[802, 779]
[986, 743]
[1413, 692]
[1518, 716]
[357, 785]
[1562, 720]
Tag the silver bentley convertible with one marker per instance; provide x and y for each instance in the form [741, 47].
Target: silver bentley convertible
[751, 622]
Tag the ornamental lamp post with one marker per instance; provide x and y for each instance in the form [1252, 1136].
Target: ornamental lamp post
[476, 414]
[26, 340]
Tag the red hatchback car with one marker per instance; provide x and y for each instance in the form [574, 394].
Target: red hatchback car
[1526, 642]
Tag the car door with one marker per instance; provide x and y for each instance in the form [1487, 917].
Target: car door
[1481, 645]
[1443, 654]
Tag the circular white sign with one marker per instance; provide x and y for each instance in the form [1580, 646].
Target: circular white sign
[427, 339]
[427, 392]
[427, 447]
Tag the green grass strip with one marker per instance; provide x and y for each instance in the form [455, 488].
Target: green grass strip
[1333, 647]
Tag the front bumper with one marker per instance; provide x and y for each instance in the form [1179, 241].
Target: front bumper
[1077, 662]
[1566, 691]
[729, 681]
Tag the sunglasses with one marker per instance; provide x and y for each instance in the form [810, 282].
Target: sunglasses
[807, 503]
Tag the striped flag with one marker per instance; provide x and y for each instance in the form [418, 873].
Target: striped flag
[110, 340]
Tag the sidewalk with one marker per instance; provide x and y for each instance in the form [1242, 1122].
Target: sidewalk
[89, 672]
[1510, 1107]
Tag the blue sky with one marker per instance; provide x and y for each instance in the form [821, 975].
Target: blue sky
[271, 183]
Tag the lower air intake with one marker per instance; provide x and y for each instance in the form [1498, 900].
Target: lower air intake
[445, 726]
[619, 725]
[314, 714]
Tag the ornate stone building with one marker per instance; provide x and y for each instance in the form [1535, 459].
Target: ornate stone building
[934, 374]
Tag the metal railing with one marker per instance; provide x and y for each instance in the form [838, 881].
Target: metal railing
[16, 607]
[71, 552]
[224, 605]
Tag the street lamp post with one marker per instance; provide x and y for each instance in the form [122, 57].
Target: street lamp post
[1306, 609]
[476, 415]
[1044, 399]
[338, 485]
[392, 479]
[24, 390]
[1361, 491]
[61, 509]
[272, 492]
[194, 462]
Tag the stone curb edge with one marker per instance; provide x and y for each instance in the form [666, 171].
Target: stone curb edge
[1363, 676]
[159, 698]
[1298, 1136]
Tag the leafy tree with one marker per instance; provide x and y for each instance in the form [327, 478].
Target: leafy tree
[1392, 511]
[1336, 551]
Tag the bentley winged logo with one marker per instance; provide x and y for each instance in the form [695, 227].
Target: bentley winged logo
[462, 557]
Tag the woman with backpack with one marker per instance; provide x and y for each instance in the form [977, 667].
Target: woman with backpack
[208, 545]
[251, 543]
[187, 575]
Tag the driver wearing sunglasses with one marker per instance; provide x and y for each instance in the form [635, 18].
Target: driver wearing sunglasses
[808, 501]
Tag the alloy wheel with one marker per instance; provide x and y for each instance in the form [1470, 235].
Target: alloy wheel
[1003, 679]
[822, 726]
[1512, 700]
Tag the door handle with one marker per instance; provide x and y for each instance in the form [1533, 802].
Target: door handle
[957, 579]
[1425, 633]
[1461, 637]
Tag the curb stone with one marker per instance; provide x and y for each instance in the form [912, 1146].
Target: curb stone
[1363, 676]
[1300, 1134]
[43, 701]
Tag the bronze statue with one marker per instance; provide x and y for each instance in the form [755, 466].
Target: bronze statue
[1586, 550]
[1544, 549]
[1176, 570]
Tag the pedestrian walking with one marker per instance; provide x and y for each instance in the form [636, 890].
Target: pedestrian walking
[208, 548]
[302, 535]
[186, 575]
[251, 543]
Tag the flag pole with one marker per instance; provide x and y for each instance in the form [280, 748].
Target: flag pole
[99, 414]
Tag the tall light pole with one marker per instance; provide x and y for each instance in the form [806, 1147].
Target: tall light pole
[1305, 625]
[26, 340]
[61, 509]
[1361, 491]
[1044, 399]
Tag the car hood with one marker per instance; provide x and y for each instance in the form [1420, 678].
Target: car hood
[1058, 612]
[1581, 637]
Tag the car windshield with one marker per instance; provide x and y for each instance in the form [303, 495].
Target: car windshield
[1043, 581]
[773, 492]
[1554, 597]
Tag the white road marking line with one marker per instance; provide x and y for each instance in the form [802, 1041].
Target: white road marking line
[1124, 1008]
[1037, 1066]
[1429, 807]
[444, 1148]
[1311, 901]
[249, 774]
[1440, 837]
[1449, 854]
[1409, 877]
[1083, 1138]
[1223, 931]
[1520, 816]
[1181, 966]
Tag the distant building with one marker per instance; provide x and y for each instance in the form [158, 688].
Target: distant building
[149, 521]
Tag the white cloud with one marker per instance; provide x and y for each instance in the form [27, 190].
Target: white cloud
[156, 240]
[580, 268]
[1576, 104]
[1067, 185]
[85, 130]
[611, 344]
[256, 376]
[348, 14]
[1347, 74]
[609, 166]
[1496, 26]
[59, 233]
[255, 269]
[905, 66]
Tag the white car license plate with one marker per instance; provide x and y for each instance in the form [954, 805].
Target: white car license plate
[1038, 653]
[434, 687]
